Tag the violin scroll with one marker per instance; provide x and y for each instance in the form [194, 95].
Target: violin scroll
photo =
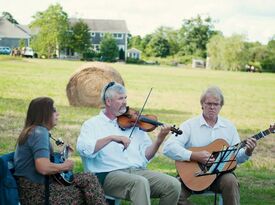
[175, 130]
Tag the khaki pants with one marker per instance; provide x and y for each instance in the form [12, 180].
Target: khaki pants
[225, 184]
[139, 185]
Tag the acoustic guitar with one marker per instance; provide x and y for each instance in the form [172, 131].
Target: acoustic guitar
[65, 178]
[198, 177]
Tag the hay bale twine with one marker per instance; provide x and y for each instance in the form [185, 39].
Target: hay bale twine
[84, 87]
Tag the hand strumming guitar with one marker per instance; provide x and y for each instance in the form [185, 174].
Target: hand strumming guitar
[202, 157]
[68, 165]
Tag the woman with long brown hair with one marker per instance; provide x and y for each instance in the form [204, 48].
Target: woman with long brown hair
[33, 165]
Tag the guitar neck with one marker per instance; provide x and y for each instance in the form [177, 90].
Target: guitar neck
[66, 152]
[261, 134]
[258, 136]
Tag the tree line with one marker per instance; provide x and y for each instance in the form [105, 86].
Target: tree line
[197, 38]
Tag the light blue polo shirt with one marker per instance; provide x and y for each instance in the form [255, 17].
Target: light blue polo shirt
[197, 133]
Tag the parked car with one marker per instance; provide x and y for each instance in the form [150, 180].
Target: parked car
[5, 50]
[27, 52]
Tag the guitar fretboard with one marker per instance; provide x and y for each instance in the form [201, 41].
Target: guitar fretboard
[261, 134]
[257, 136]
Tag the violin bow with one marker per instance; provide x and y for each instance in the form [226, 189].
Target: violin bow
[139, 114]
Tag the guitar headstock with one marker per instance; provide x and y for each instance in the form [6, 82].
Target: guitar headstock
[59, 142]
[272, 128]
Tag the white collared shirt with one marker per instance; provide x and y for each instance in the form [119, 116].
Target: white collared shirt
[111, 157]
[197, 133]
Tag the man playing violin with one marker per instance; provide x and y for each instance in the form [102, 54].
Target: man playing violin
[119, 161]
[201, 131]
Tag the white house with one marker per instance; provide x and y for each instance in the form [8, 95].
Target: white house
[99, 27]
[134, 53]
[11, 34]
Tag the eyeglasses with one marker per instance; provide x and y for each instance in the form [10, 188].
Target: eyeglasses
[212, 104]
[110, 84]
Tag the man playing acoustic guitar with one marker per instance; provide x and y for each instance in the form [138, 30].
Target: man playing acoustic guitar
[202, 131]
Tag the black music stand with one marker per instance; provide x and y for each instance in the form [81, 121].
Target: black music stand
[222, 157]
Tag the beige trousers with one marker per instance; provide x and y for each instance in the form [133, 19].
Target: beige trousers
[226, 184]
[139, 185]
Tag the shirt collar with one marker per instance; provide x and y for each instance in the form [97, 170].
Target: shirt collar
[105, 118]
[219, 122]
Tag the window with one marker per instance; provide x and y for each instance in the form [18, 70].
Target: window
[97, 47]
[92, 34]
[117, 35]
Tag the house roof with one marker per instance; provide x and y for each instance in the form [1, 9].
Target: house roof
[104, 25]
[28, 30]
[133, 50]
[10, 30]
[25, 28]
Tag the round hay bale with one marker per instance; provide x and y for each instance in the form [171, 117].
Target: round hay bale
[84, 87]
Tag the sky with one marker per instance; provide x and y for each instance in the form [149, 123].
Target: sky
[253, 18]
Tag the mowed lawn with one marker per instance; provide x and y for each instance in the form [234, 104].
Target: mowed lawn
[249, 103]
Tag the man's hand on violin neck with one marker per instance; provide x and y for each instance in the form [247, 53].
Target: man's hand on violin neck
[164, 130]
[122, 140]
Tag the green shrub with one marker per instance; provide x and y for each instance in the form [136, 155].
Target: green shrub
[134, 61]
[268, 64]
[89, 55]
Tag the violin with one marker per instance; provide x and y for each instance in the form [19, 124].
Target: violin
[146, 123]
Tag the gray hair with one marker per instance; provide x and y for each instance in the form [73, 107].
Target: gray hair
[110, 89]
[213, 91]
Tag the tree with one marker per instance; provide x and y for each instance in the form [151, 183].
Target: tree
[195, 34]
[257, 51]
[158, 46]
[80, 37]
[147, 38]
[9, 17]
[108, 48]
[53, 26]
[268, 63]
[214, 48]
[135, 42]
[172, 37]
[227, 53]
[22, 43]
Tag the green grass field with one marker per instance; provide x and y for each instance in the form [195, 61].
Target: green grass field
[249, 103]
